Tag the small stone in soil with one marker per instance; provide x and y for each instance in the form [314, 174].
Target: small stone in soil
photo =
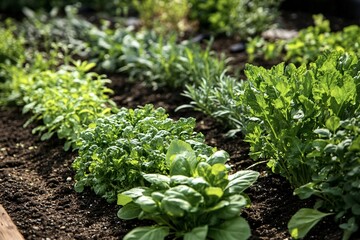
[201, 37]
[237, 47]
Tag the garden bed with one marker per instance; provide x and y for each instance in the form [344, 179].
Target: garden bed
[37, 180]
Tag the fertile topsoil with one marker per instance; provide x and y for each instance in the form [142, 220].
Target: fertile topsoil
[36, 178]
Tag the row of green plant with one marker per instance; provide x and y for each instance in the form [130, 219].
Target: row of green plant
[261, 107]
[308, 44]
[139, 148]
[115, 7]
[143, 56]
[283, 111]
[231, 101]
[237, 18]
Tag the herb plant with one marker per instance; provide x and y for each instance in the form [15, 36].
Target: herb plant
[219, 97]
[287, 104]
[163, 16]
[309, 43]
[335, 157]
[67, 100]
[162, 62]
[116, 150]
[198, 200]
[241, 18]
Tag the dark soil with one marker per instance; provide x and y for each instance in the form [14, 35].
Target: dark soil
[36, 178]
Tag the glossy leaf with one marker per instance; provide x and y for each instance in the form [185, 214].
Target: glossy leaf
[147, 233]
[303, 221]
[234, 229]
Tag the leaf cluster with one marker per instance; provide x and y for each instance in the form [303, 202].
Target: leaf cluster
[241, 18]
[66, 101]
[116, 150]
[335, 156]
[287, 104]
[309, 43]
[197, 200]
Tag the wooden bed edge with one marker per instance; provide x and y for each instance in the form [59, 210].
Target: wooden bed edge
[8, 230]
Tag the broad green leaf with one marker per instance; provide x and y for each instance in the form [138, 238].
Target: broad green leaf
[214, 191]
[179, 180]
[123, 199]
[147, 233]
[303, 220]
[241, 180]
[158, 180]
[323, 132]
[180, 166]
[198, 233]
[333, 123]
[305, 191]
[129, 211]
[355, 146]
[180, 148]
[234, 229]
[135, 192]
[218, 157]
[233, 209]
[147, 204]
[175, 207]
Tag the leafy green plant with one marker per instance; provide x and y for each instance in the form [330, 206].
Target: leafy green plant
[335, 157]
[163, 16]
[287, 104]
[199, 200]
[44, 31]
[309, 43]
[115, 150]
[67, 101]
[11, 46]
[242, 18]
[163, 62]
[219, 97]
[115, 7]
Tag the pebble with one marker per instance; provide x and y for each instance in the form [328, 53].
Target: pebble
[62, 227]
[35, 228]
[237, 47]
[68, 179]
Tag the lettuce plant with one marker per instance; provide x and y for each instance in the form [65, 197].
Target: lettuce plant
[198, 200]
[116, 150]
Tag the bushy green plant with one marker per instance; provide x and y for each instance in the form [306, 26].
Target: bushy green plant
[163, 62]
[219, 97]
[335, 158]
[44, 31]
[163, 16]
[11, 47]
[198, 200]
[115, 7]
[288, 103]
[309, 43]
[242, 18]
[67, 101]
[117, 149]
